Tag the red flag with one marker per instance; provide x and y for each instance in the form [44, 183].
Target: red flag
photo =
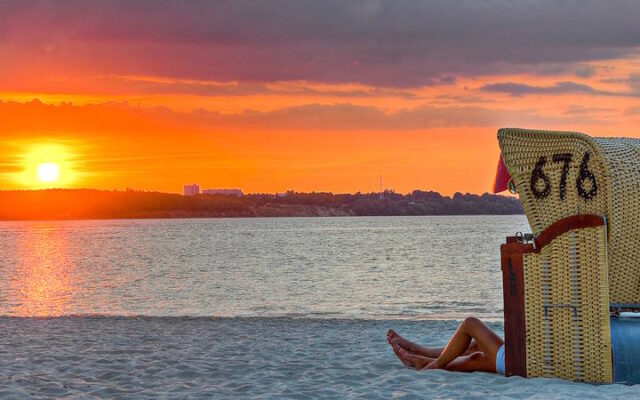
[502, 179]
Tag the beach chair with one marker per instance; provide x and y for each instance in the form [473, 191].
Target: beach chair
[581, 264]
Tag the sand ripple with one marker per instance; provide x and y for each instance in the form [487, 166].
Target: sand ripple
[118, 357]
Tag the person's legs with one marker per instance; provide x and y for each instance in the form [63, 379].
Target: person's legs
[431, 352]
[471, 363]
[411, 347]
[477, 361]
[410, 360]
[488, 342]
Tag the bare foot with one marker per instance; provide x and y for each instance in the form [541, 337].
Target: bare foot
[409, 359]
[402, 342]
[400, 353]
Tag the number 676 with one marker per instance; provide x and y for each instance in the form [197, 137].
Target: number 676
[585, 174]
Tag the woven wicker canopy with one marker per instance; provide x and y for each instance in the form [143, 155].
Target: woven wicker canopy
[560, 174]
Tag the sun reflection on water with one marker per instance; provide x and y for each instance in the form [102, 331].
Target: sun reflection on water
[43, 280]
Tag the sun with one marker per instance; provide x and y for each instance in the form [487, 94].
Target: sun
[48, 165]
[48, 172]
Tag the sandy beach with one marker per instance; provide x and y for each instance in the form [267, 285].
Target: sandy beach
[274, 358]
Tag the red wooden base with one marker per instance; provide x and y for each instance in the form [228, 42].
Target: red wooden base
[514, 317]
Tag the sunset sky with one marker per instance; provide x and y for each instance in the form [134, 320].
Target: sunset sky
[278, 95]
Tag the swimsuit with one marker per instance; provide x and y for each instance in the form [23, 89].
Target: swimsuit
[500, 361]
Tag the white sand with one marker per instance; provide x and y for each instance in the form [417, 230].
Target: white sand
[117, 357]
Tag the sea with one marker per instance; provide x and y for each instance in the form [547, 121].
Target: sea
[251, 308]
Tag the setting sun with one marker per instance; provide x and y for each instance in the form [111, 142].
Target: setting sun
[46, 163]
[48, 172]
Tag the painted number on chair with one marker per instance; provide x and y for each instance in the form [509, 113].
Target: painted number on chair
[540, 183]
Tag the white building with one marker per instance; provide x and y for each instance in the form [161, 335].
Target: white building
[225, 192]
[190, 190]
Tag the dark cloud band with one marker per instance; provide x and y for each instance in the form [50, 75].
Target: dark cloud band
[382, 43]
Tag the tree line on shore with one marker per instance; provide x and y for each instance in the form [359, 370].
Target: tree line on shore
[99, 204]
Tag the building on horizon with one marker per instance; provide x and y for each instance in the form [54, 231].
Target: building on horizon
[190, 190]
[224, 192]
[285, 194]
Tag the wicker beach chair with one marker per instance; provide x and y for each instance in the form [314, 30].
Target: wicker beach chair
[581, 196]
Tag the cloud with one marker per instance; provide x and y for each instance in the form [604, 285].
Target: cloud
[444, 99]
[632, 111]
[394, 44]
[348, 117]
[521, 89]
[585, 72]
[560, 88]
[116, 85]
[124, 120]
[579, 110]
[634, 82]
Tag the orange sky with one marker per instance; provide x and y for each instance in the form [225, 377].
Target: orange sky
[229, 95]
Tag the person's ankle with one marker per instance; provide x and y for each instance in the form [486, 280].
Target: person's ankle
[440, 364]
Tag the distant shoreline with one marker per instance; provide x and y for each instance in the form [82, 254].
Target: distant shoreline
[88, 204]
[262, 217]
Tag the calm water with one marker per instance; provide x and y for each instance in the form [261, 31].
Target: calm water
[362, 268]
